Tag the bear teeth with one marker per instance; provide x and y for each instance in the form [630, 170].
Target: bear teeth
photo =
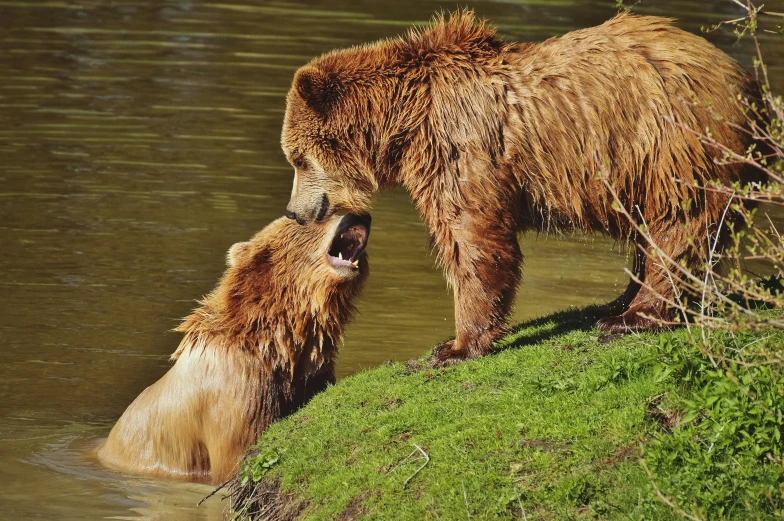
[340, 255]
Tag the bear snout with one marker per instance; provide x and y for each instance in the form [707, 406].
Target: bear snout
[294, 216]
[316, 212]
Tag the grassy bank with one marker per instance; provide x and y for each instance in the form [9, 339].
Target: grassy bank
[552, 426]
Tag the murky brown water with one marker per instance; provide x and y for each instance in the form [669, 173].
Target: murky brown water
[138, 141]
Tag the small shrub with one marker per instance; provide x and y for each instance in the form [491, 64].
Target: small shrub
[725, 459]
[258, 466]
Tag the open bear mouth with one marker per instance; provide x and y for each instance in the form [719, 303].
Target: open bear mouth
[350, 240]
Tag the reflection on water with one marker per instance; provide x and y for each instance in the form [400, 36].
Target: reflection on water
[138, 141]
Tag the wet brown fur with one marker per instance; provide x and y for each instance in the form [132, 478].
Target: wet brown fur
[256, 349]
[492, 138]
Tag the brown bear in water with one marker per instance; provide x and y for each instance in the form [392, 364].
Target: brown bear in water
[492, 138]
[258, 347]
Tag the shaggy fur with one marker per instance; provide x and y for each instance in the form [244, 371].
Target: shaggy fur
[492, 138]
[258, 347]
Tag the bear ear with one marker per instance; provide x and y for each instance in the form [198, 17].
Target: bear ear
[320, 90]
[236, 253]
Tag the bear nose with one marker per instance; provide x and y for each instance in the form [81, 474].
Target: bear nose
[290, 214]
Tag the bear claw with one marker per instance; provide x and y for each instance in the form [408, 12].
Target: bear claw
[445, 354]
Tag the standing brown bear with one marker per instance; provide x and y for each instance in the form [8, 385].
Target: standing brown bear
[259, 347]
[492, 138]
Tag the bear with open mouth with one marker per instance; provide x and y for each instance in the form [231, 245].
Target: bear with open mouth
[256, 349]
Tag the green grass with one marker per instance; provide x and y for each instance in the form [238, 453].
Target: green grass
[552, 426]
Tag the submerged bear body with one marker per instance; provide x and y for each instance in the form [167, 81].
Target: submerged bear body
[258, 347]
[492, 138]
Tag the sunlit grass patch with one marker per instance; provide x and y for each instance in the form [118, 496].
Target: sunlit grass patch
[552, 426]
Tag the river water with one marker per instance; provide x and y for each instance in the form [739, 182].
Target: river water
[138, 141]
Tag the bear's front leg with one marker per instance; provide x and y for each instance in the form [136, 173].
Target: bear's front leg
[481, 259]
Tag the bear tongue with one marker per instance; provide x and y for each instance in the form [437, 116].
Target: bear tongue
[344, 245]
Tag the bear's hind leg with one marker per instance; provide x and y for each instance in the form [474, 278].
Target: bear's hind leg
[649, 309]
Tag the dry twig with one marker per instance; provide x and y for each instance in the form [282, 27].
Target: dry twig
[427, 460]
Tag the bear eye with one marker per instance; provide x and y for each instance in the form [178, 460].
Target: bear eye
[300, 163]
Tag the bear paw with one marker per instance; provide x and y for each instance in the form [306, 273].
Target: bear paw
[446, 354]
[629, 322]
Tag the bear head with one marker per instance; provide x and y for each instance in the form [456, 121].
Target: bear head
[326, 136]
[353, 114]
[285, 285]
